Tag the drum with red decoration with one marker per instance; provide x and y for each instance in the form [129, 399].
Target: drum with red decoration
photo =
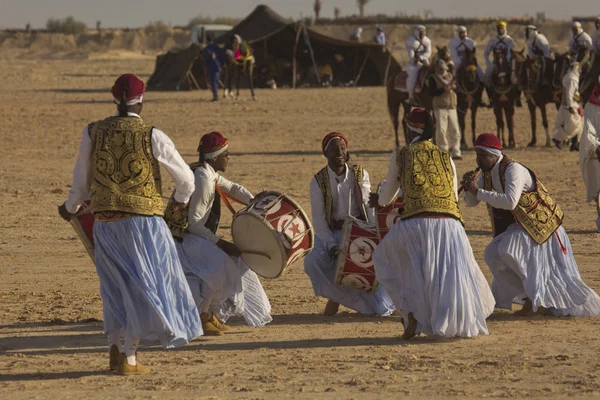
[387, 216]
[354, 264]
[83, 223]
[272, 233]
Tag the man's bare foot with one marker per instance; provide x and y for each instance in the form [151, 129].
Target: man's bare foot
[331, 308]
[411, 330]
[526, 310]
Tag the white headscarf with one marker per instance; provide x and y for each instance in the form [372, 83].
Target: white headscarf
[577, 25]
[418, 29]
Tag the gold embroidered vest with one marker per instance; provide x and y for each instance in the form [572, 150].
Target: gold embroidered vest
[536, 211]
[322, 178]
[125, 174]
[177, 219]
[427, 181]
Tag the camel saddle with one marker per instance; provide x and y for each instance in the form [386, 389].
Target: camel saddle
[402, 77]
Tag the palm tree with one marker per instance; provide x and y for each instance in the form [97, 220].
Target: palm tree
[317, 8]
[361, 6]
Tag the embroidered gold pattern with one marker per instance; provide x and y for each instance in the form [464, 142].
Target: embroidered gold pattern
[427, 181]
[125, 174]
[322, 178]
[177, 218]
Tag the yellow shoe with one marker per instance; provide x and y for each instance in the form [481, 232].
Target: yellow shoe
[126, 369]
[114, 358]
[208, 327]
[219, 325]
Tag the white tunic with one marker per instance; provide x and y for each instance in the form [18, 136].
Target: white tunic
[419, 48]
[545, 273]
[343, 190]
[458, 46]
[580, 41]
[497, 43]
[537, 44]
[163, 150]
[568, 125]
[588, 159]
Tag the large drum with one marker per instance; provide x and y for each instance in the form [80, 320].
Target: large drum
[272, 233]
[354, 264]
[387, 216]
[83, 223]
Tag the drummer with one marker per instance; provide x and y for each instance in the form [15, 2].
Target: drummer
[336, 192]
[220, 281]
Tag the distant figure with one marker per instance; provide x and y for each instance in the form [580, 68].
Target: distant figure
[580, 44]
[539, 48]
[500, 43]
[213, 57]
[355, 35]
[419, 52]
[447, 132]
[596, 38]
[569, 123]
[458, 45]
[379, 37]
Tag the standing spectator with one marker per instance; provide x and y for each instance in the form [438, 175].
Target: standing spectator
[447, 133]
[214, 58]
[379, 37]
[355, 35]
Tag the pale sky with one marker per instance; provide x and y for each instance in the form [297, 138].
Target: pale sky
[137, 13]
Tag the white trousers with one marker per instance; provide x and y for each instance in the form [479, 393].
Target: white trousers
[413, 73]
[447, 132]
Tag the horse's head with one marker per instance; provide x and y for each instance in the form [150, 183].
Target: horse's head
[468, 65]
[444, 53]
[561, 62]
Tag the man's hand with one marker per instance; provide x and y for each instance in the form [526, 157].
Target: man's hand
[334, 252]
[64, 214]
[467, 177]
[178, 206]
[229, 248]
[373, 200]
[472, 187]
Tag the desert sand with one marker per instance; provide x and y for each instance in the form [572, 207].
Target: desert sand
[51, 341]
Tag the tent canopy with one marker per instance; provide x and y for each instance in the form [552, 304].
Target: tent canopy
[275, 40]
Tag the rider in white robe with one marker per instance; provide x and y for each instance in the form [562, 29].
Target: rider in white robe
[457, 46]
[419, 54]
[500, 42]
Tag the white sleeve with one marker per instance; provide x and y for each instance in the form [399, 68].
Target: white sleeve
[164, 151]
[234, 189]
[516, 176]
[392, 182]
[82, 175]
[572, 87]
[410, 49]
[365, 187]
[317, 206]
[509, 48]
[428, 51]
[470, 199]
[545, 46]
[486, 52]
[587, 41]
[454, 52]
[200, 205]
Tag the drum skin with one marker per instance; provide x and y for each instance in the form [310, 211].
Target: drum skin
[272, 233]
[354, 264]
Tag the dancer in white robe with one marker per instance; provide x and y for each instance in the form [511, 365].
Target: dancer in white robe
[142, 285]
[589, 150]
[220, 281]
[336, 192]
[530, 256]
[426, 262]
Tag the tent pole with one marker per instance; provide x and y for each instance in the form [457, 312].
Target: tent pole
[362, 67]
[294, 59]
[387, 69]
[312, 54]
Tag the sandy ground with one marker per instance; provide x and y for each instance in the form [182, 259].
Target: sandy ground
[51, 342]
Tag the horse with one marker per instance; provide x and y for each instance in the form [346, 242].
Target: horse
[503, 99]
[397, 97]
[469, 90]
[237, 67]
[530, 82]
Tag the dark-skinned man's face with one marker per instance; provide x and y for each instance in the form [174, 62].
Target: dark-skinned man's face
[485, 160]
[336, 153]
[221, 161]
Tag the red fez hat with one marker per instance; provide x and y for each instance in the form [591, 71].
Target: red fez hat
[416, 120]
[331, 136]
[212, 144]
[488, 140]
[131, 85]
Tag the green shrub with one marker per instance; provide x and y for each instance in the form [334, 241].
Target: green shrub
[68, 25]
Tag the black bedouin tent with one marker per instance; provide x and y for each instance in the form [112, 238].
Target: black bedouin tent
[292, 49]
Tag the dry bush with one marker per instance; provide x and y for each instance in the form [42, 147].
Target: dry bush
[202, 20]
[68, 25]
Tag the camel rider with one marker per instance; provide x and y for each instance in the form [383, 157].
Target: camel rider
[580, 46]
[596, 38]
[240, 52]
[458, 45]
[539, 49]
[419, 52]
[501, 42]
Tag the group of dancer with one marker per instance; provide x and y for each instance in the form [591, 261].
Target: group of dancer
[165, 274]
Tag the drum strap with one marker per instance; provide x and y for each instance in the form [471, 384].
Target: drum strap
[225, 198]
